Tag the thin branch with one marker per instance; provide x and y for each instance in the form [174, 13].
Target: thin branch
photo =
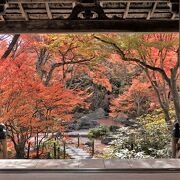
[144, 64]
[56, 65]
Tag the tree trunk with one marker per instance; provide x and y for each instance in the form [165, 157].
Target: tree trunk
[138, 108]
[175, 95]
[174, 88]
[166, 115]
[164, 104]
[20, 153]
[11, 46]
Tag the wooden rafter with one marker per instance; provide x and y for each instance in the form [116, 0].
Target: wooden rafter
[24, 14]
[39, 1]
[118, 14]
[48, 11]
[71, 1]
[126, 10]
[173, 16]
[151, 12]
[2, 18]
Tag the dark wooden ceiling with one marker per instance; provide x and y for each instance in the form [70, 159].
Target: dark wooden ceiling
[87, 16]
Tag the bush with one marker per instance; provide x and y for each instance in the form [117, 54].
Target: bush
[98, 132]
[151, 140]
[113, 128]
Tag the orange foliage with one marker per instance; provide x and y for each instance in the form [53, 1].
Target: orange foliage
[27, 106]
[134, 102]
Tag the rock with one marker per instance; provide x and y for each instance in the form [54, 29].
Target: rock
[89, 120]
[98, 114]
[131, 123]
[122, 117]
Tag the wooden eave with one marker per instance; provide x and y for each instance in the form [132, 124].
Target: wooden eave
[43, 16]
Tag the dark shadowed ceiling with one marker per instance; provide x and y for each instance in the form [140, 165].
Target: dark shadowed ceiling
[88, 15]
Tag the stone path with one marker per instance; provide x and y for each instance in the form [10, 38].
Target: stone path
[77, 153]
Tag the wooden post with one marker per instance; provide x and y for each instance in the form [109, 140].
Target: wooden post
[58, 153]
[28, 152]
[174, 146]
[35, 141]
[54, 150]
[132, 140]
[37, 145]
[64, 150]
[3, 141]
[78, 141]
[4, 149]
[1, 151]
[175, 139]
[92, 152]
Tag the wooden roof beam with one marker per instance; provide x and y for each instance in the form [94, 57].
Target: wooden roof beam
[24, 14]
[126, 10]
[71, 1]
[55, 26]
[39, 1]
[173, 16]
[151, 12]
[106, 10]
[2, 18]
[48, 11]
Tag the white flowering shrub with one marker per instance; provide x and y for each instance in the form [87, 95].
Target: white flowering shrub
[146, 142]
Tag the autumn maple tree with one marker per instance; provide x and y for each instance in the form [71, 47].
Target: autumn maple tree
[47, 78]
[133, 102]
[27, 106]
[157, 55]
[40, 88]
[74, 61]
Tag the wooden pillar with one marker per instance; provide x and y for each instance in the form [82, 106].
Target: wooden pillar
[54, 150]
[175, 139]
[132, 140]
[64, 150]
[78, 140]
[93, 148]
[58, 153]
[3, 141]
[28, 152]
[174, 146]
[3, 148]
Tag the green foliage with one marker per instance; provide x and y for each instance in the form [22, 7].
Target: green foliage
[151, 140]
[102, 131]
[49, 146]
[113, 128]
[156, 118]
[99, 132]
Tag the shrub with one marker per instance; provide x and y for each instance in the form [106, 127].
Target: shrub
[98, 132]
[151, 140]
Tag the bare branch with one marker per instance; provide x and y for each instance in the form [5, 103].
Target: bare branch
[139, 61]
[56, 65]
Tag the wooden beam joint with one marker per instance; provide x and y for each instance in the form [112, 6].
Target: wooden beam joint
[24, 14]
